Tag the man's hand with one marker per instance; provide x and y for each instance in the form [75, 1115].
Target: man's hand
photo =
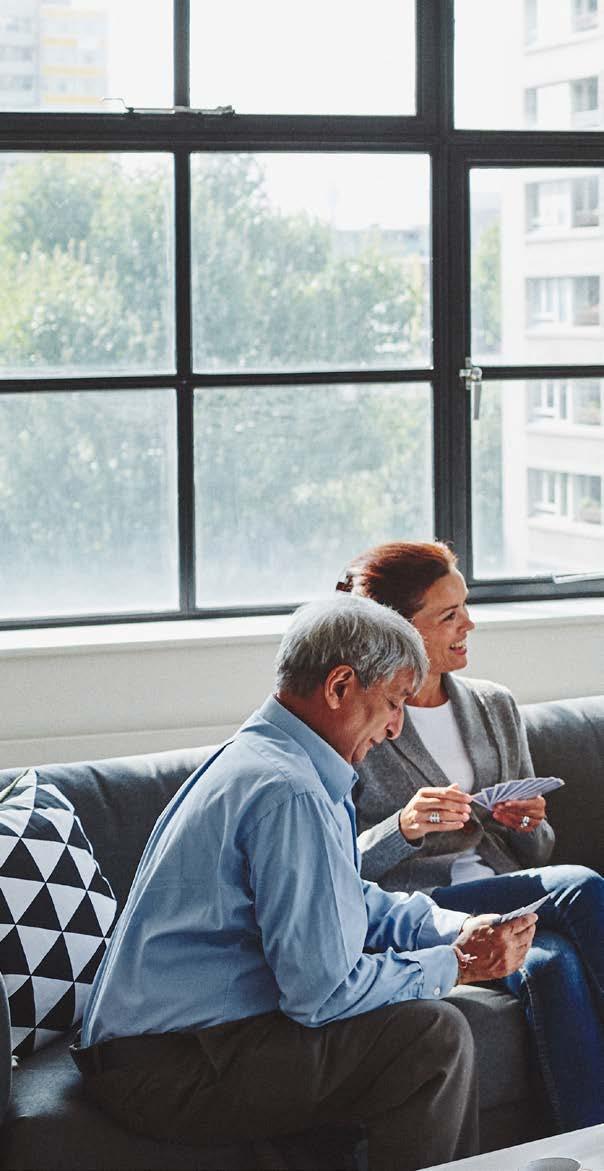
[487, 951]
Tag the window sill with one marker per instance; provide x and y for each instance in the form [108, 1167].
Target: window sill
[250, 631]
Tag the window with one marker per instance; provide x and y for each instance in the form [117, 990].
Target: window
[584, 14]
[584, 102]
[563, 301]
[570, 497]
[530, 21]
[547, 400]
[547, 205]
[548, 493]
[530, 107]
[586, 300]
[586, 202]
[587, 499]
[576, 401]
[237, 284]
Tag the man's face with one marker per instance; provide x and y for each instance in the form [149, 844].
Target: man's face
[373, 715]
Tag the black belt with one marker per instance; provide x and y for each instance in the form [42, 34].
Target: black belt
[117, 1053]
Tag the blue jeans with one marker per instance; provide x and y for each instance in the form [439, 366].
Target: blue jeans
[561, 983]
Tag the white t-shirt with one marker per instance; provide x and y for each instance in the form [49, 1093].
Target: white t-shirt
[439, 732]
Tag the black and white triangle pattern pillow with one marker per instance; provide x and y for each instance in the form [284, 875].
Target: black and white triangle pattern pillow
[56, 912]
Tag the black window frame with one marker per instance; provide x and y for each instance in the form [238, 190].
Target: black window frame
[453, 153]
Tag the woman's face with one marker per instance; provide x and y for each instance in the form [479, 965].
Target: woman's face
[444, 623]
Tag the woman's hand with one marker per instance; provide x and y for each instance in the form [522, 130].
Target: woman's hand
[523, 816]
[449, 807]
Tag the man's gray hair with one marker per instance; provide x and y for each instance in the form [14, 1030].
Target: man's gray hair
[372, 639]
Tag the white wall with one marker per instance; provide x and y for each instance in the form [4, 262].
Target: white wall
[103, 691]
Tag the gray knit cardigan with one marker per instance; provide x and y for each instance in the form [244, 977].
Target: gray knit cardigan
[391, 773]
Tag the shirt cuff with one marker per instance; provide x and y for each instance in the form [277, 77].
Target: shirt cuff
[440, 968]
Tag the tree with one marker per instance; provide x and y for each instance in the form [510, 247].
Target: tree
[487, 486]
[289, 481]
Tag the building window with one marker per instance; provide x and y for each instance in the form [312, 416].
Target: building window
[574, 498]
[530, 107]
[587, 499]
[575, 401]
[586, 300]
[584, 102]
[530, 22]
[547, 493]
[584, 14]
[547, 205]
[586, 202]
[563, 203]
[547, 400]
[563, 301]
[588, 403]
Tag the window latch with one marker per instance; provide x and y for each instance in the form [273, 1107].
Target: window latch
[471, 376]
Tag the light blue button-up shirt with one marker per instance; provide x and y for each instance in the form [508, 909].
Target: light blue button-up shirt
[248, 899]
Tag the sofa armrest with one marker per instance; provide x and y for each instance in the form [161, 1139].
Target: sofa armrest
[5, 1051]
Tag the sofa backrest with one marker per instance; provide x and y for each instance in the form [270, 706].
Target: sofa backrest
[118, 802]
[566, 739]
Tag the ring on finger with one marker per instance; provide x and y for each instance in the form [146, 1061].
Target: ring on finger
[434, 817]
[525, 821]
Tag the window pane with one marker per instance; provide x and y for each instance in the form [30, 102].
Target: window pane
[292, 481]
[537, 468]
[305, 261]
[71, 56]
[528, 64]
[86, 264]
[87, 503]
[268, 57]
[537, 241]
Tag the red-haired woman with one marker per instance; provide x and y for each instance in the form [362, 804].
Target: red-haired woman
[420, 830]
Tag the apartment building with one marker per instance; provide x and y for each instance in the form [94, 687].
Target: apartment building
[52, 55]
[552, 311]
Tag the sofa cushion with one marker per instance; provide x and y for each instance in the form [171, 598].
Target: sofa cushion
[56, 910]
[501, 1040]
[51, 1126]
[118, 802]
[566, 739]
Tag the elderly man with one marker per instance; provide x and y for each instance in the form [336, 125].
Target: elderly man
[255, 984]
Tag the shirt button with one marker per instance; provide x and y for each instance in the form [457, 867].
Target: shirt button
[437, 990]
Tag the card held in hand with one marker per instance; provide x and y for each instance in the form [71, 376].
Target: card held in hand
[516, 790]
[515, 914]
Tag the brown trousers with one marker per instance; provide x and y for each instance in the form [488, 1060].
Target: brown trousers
[405, 1071]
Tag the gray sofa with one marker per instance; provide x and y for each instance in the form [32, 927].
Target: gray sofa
[48, 1125]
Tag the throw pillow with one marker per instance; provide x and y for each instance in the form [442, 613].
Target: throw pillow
[56, 911]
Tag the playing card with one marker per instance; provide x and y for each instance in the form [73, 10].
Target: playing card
[516, 790]
[522, 910]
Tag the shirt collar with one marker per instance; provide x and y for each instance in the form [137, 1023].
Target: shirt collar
[337, 775]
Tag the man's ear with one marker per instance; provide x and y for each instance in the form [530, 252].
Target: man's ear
[338, 685]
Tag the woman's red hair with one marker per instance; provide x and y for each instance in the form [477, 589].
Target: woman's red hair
[399, 573]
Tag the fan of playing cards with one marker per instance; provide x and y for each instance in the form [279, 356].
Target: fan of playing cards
[516, 790]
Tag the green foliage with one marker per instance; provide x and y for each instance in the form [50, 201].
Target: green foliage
[487, 487]
[486, 291]
[289, 481]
